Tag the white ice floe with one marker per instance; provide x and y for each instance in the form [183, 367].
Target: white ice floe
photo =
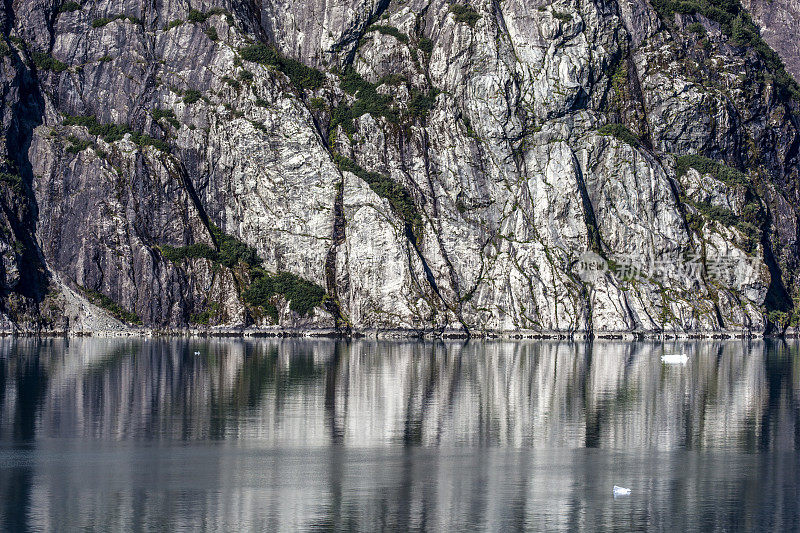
[674, 359]
[621, 491]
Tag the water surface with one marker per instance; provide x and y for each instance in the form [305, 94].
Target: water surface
[120, 434]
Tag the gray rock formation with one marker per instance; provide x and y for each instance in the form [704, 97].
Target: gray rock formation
[426, 166]
[779, 20]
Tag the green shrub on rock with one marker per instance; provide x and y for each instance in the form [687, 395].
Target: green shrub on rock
[620, 132]
[230, 252]
[421, 103]
[173, 24]
[301, 76]
[211, 33]
[13, 180]
[103, 21]
[101, 300]
[464, 13]
[68, 7]
[45, 61]
[704, 165]
[426, 45]
[198, 17]
[114, 132]
[77, 145]
[191, 96]
[389, 30]
[737, 24]
[168, 115]
[303, 295]
[385, 187]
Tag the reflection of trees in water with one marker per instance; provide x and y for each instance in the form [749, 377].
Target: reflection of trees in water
[266, 379]
[601, 394]
[555, 394]
[531, 395]
[112, 388]
[23, 384]
[780, 419]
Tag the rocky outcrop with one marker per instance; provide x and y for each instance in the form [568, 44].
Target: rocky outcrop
[575, 167]
[778, 20]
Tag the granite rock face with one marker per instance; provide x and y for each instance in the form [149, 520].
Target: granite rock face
[779, 20]
[574, 167]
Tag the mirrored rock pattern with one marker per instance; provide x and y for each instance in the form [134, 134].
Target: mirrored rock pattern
[365, 435]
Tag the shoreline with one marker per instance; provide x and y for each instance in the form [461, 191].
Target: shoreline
[379, 334]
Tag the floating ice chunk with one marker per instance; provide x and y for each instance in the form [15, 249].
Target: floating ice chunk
[674, 359]
[621, 491]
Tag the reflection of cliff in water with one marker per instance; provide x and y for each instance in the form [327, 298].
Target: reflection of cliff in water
[261, 404]
[363, 393]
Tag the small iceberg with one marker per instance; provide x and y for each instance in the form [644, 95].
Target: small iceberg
[674, 359]
[621, 491]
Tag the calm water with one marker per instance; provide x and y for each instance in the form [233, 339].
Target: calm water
[100, 434]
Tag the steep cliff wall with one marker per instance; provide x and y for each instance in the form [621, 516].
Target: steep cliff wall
[420, 165]
[779, 20]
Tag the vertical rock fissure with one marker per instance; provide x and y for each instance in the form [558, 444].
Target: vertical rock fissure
[457, 307]
[27, 114]
[9, 16]
[382, 6]
[201, 212]
[592, 231]
[338, 238]
[593, 236]
[412, 239]
[777, 297]
[193, 196]
[408, 228]
[431, 279]
[635, 86]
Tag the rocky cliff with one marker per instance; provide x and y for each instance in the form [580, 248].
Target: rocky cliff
[574, 166]
[778, 21]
